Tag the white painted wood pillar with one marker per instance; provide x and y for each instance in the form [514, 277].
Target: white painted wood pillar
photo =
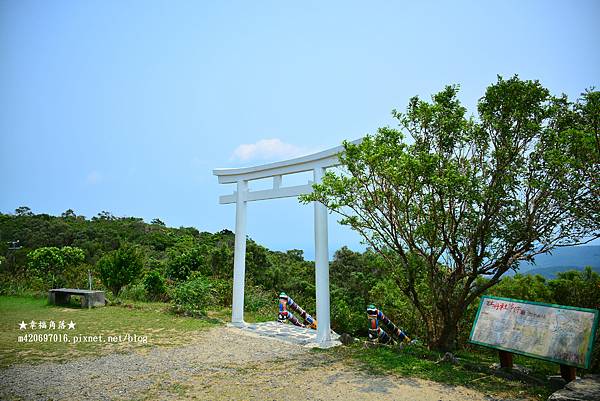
[239, 256]
[322, 267]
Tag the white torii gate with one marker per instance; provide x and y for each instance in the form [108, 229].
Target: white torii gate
[317, 163]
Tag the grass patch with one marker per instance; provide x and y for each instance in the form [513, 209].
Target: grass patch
[223, 315]
[473, 369]
[143, 319]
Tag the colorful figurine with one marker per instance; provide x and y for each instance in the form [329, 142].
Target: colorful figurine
[290, 316]
[284, 314]
[376, 332]
[282, 317]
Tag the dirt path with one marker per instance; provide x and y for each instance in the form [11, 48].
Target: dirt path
[223, 364]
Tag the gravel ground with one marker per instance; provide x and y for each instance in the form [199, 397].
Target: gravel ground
[222, 364]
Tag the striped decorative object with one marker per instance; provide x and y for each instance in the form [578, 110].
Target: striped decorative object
[377, 333]
[286, 301]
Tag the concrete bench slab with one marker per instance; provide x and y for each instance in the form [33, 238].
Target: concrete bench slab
[89, 298]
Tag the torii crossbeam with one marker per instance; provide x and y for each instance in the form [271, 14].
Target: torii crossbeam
[317, 163]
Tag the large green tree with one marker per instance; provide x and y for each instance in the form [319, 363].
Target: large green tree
[120, 267]
[470, 197]
[52, 264]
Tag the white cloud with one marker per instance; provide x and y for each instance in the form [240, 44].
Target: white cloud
[268, 149]
[94, 177]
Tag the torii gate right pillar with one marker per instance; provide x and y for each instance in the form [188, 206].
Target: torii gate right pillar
[321, 267]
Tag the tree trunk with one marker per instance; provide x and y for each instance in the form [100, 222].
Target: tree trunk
[445, 336]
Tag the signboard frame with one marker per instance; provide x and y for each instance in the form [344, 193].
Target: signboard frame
[588, 356]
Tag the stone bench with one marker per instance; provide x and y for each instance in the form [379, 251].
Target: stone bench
[89, 299]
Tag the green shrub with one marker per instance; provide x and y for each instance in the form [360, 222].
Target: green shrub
[14, 285]
[120, 267]
[348, 319]
[527, 287]
[57, 267]
[135, 292]
[182, 265]
[192, 297]
[154, 283]
[76, 276]
[222, 291]
[255, 298]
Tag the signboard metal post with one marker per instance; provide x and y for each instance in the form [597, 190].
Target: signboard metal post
[506, 359]
[568, 372]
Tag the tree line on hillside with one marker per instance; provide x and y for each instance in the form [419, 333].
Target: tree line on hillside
[106, 240]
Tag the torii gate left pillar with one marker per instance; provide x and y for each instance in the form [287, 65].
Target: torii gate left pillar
[239, 255]
[317, 163]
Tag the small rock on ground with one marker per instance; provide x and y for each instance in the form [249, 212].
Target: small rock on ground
[585, 389]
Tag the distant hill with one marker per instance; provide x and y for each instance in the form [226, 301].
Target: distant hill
[563, 259]
[552, 272]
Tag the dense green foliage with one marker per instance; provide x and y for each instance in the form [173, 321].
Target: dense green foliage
[55, 267]
[120, 267]
[168, 257]
[155, 285]
[468, 197]
[193, 296]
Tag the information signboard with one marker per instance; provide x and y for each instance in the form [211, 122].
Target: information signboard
[561, 334]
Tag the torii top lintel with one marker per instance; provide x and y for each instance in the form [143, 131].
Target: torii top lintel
[319, 160]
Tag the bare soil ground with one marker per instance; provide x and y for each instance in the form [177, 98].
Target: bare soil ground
[222, 363]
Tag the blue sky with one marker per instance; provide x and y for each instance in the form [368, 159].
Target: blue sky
[127, 106]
